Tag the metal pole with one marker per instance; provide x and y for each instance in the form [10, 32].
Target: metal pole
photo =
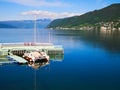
[49, 36]
[35, 28]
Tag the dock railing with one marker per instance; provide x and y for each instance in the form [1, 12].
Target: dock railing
[24, 44]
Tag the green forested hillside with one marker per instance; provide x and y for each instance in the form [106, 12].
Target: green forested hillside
[110, 14]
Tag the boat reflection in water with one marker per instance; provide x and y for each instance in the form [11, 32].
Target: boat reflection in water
[37, 65]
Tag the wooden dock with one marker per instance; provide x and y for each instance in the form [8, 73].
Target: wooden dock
[18, 49]
[17, 58]
[6, 61]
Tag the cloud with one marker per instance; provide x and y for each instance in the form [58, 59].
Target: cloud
[54, 3]
[48, 14]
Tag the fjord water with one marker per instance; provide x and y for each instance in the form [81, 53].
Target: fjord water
[91, 61]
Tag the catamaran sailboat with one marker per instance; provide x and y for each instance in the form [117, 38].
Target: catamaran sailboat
[36, 56]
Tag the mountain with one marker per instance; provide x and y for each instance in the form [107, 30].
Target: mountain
[104, 17]
[6, 26]
[41, 23]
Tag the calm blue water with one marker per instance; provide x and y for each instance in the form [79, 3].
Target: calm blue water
[91, 61]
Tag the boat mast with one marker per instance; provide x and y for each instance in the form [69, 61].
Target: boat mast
[49, 36]
[35, 28]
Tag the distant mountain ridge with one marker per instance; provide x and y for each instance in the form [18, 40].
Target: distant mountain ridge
[6, 26]
[41, 23]
[99, 18]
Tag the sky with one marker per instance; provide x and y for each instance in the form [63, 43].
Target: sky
[52, 9]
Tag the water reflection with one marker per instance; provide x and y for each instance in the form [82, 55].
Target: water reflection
[105, 39]
[108, 39]
[37, 65]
